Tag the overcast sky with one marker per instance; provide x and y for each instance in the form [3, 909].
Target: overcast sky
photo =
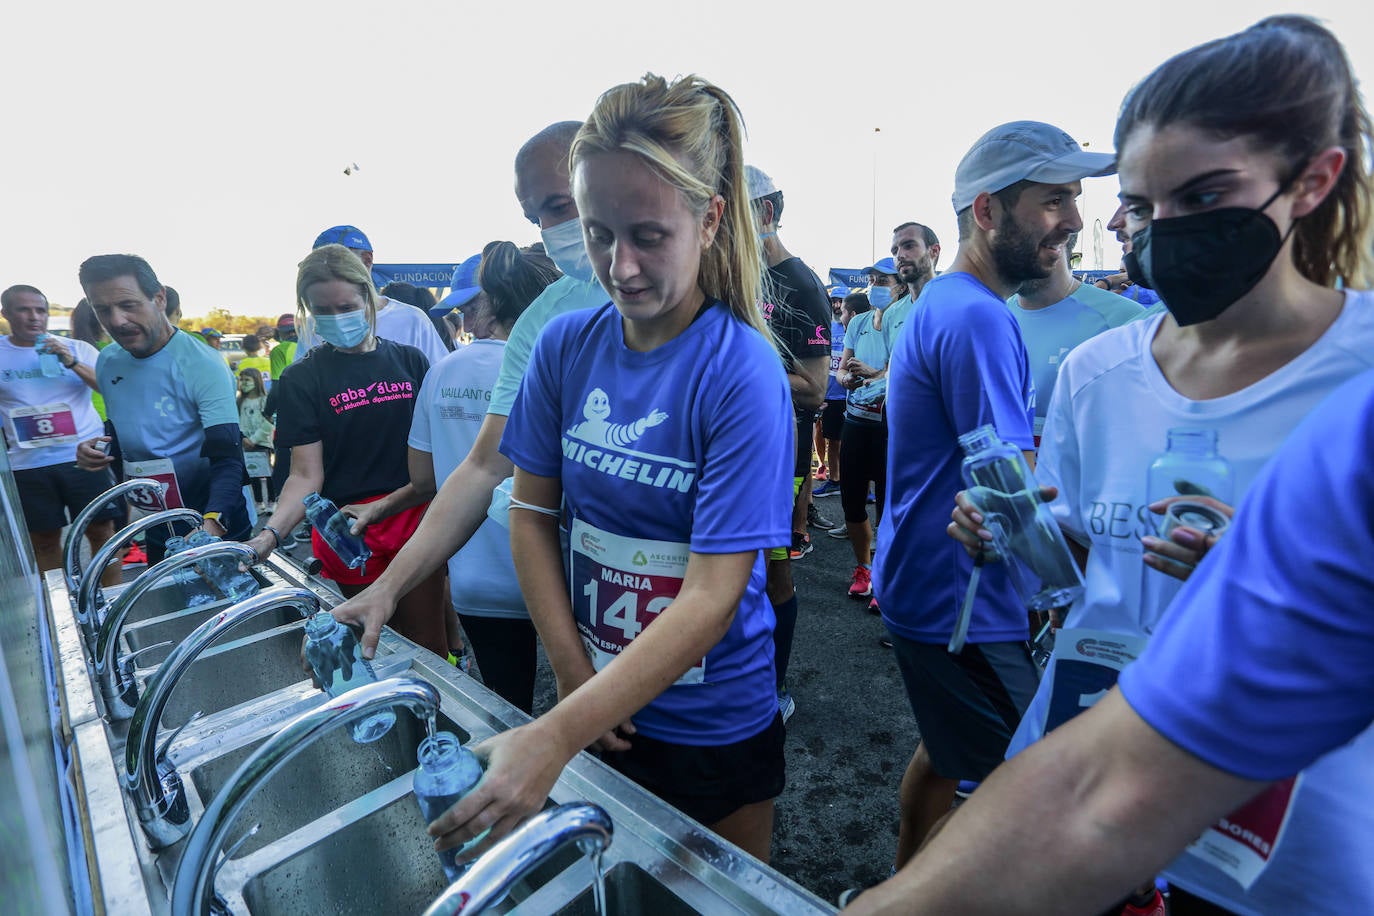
[212, 139]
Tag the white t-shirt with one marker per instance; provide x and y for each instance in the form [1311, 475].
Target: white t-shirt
[1107, 421]
[448, 415]
[397, 322]
[45, 417]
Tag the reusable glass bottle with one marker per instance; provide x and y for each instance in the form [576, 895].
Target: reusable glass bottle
[1025, 533]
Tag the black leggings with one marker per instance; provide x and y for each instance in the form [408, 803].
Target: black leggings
[504, 648]
[863, 458]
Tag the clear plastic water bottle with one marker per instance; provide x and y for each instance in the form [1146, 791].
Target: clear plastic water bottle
[199, 593]
[48, 363]
[1191, 466]
[334, 653]
[1025, 533]
[333, 526]
[447, 772]
[223, 572]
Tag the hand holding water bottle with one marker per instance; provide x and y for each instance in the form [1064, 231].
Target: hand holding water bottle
[966, 525]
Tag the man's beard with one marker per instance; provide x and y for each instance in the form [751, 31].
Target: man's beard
[1016, 254]
[917, 273]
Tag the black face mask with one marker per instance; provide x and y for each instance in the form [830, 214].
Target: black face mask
[1202, 263]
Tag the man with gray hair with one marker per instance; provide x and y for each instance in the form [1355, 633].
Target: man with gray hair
[797, 309]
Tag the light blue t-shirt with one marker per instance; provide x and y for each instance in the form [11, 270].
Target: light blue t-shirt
[870, 348]
[448, 415]
[894, 317]
[566, 294]
[834, 391]
[1051, 332]
[657, 453]
[959, 364]
[1262, 668]
[161, 406]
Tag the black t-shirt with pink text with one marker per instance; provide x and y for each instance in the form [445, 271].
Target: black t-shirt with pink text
[358, 405]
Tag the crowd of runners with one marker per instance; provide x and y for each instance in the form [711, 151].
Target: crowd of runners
[615, 442]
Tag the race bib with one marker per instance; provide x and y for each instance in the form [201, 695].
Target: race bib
[39, 427]
[258, 464]
[1087, 664]
[619, 586]
[161, 470]
[1241, 844]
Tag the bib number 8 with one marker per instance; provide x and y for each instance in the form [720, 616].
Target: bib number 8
[44, 425]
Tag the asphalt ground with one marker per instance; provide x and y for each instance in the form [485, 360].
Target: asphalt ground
[850, 738]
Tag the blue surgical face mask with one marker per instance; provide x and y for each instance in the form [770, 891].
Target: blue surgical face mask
[565, 246]
[880, 297]
[344, 331]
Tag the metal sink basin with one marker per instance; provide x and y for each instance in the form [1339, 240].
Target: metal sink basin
[382, 863]
[236, 671]
[327, 775]
[173, 627]
[630, 891]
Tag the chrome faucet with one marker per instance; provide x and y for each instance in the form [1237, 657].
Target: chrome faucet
[194, 886]
[89, 597]
[511, 859]
[158, 794]
[71, 548]
[121, 694]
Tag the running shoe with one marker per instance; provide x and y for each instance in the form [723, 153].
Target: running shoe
[822, 473]
[1153, 906]
[861, 585]
[462, 660]
[839, 532]
[816, 520]
[135, 557]
[965, 788]
[786, 705]
[873, 607]
[801, 545]
[829, 488]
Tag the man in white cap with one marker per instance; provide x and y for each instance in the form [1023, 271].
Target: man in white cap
[397, 322]
[959, 363]
[797, 310]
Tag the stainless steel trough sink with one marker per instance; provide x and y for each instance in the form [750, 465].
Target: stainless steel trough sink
[327, 775]
[339, 874]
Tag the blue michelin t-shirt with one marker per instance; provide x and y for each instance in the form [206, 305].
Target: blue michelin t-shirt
[161, 406]
[659, 453]
[1264, 667]
[834, 391]
[959, 363]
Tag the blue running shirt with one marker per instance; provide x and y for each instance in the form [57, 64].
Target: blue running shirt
[1262, 668]
[662, 453]
[959, 363]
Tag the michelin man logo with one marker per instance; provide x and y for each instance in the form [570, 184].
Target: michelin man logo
[607, 447]
[596, 430]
